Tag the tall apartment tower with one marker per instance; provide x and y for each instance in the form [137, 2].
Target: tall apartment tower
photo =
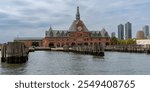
[146, 31]
[121, 32]
[128, 30]
[113, 34]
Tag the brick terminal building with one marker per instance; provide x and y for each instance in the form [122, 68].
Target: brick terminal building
[78, 34]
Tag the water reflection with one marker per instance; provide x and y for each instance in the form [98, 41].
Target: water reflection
[12, 69]
[67, 63]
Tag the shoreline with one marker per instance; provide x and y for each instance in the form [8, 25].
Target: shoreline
[128, 49]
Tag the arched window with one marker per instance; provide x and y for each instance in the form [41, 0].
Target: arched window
[79, 44]
[73, 44]
[107, 43]
[58, 44]
[86, 44]
[100, 43]
[35, 44]
[62, 45]
[51, 45]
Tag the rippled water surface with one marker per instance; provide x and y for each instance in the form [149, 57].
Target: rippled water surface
[63, 63]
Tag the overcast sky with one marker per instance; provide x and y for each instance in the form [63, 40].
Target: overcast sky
[30, 18]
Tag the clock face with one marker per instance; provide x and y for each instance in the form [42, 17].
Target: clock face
[79, 28]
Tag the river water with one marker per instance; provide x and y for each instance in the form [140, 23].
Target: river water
[64, 63]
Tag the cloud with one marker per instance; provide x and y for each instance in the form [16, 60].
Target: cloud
[33, 17]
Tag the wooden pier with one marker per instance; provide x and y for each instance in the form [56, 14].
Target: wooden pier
[0, 46]
[96, 50]
[17, 52]
[14, 52]
[91, 50]
[129, 48]
[32, 49]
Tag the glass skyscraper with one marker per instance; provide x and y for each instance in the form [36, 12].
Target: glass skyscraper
[128, 30]
[146, 31]
[121, 32]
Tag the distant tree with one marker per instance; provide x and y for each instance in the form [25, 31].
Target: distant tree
[114, 41]
[131, 41]
[127, 42]
[122, 42]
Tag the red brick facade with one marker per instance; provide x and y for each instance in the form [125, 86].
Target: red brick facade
[75, 38]
[78, 34]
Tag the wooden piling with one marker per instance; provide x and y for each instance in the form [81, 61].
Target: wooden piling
[129, 48]
[97, 50]
[3, 53]
[14, 52]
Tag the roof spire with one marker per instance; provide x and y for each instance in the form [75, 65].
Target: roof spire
[50, 29]
[78, 14]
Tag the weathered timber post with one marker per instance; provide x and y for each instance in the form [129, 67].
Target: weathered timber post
[3, 53]
[14, 52]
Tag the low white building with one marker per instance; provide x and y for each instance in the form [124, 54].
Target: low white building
[144, 42]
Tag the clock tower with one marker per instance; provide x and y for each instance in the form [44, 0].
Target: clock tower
[78, 25]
